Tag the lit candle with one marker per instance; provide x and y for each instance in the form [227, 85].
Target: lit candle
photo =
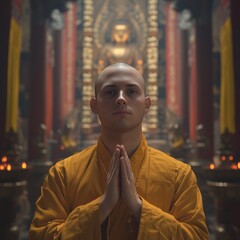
[212, 166]
[24, 165]
[4, 159]
[234, 166]
[9, 167]
[223, 158]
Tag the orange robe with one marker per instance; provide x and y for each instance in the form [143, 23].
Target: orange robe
[68, 207]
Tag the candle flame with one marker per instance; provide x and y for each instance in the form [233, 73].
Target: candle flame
[231, 158]
[24, 165]
[1, 167]
[4, 159]
[211, 166]
[9, 167]
[238, 165]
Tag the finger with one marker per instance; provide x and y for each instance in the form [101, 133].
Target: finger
[111, 165]
[123, 151]
[128, 167]
[115, 159]
[124, 175]
[114, 165]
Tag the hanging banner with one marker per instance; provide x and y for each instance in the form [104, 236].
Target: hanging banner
[87, 55]
[192, 86]
[48, 82]
[172, 54]
[227, 101]
[14, 50]
[69, 58]
[152, 62]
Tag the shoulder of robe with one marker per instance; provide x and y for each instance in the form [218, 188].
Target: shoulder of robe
[168, 165]
[74, 162]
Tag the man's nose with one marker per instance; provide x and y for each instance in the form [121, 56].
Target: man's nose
[121, 99]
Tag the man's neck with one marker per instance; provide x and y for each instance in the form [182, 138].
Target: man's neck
[130, 141]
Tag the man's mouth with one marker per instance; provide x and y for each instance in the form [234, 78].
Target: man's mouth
[121, 112]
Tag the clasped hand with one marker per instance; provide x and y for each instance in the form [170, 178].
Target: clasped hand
[120, 184]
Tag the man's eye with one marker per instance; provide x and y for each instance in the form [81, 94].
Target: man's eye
[131, 91]
[110, 92]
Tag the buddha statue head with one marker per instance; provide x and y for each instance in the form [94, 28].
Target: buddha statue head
[120, 33]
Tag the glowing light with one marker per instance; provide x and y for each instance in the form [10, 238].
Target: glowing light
[24, 165]
[231, 158]
[211, 166]
[234, 166]
[9, 167]
[4, 159]
[238, 165]
[1, 167]
[223, 158]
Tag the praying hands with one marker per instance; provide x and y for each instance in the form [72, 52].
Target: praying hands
[120, 184]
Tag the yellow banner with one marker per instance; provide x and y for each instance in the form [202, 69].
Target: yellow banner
[15, 42]
[227, 104]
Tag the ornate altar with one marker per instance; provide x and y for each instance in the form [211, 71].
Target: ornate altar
[119, 31]
[223, 181]
[14, 205]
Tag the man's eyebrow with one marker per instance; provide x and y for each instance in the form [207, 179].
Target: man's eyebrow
[109, 86]
[127, 85]
[133, 85]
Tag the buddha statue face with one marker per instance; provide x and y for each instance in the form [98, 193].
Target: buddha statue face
[120, 33]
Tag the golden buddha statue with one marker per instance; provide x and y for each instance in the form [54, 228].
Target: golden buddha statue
[120, 49]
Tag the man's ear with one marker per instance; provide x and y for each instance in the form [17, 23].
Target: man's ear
[147, 104]
[93, 105]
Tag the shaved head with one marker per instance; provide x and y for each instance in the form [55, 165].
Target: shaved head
[118, 68]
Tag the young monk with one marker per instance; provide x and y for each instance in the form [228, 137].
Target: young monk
[120, 188]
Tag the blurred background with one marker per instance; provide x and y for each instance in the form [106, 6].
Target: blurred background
[51, 52]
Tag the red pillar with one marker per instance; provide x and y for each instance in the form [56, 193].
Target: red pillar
[177, 70]
[201, 86]
[64, 73]
[40, 96]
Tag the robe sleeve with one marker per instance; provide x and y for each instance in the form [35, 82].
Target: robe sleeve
[186, 219]
[54, 220]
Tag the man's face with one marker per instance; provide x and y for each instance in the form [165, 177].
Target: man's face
[120, 99]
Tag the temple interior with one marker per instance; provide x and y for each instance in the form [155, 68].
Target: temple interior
[51, 52]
